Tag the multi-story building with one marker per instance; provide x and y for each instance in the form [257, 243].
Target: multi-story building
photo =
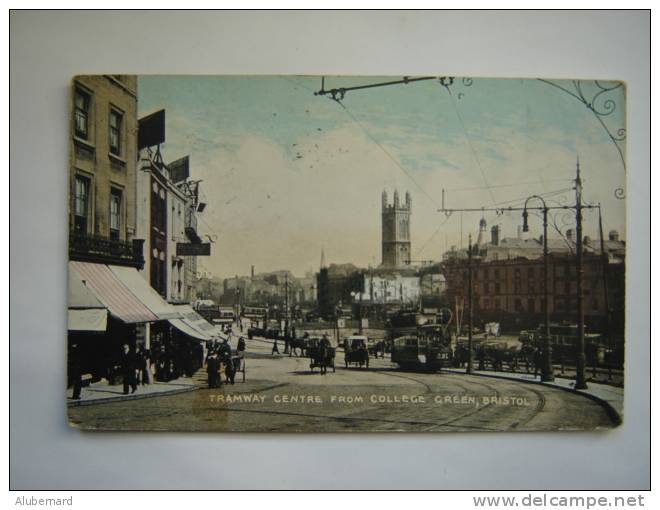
[102, 215]
[166, 209]
[511, 291]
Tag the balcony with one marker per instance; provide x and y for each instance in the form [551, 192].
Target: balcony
[102, 250]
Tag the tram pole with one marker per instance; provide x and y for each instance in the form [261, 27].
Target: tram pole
[470, 367]
[580, 361]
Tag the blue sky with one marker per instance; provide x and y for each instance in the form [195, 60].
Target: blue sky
[287, 173]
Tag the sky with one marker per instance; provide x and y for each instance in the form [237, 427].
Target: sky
[287, 174]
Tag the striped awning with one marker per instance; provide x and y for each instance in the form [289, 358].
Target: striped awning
[110, 291]
[130, 277]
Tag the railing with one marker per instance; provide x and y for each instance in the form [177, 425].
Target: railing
[93, 248]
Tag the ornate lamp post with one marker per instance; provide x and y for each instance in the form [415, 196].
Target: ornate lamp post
[546, 366]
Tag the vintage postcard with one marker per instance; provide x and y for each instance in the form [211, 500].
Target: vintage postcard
[346, 253]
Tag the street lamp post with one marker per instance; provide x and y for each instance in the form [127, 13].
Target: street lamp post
[470, 368]
[546, 366]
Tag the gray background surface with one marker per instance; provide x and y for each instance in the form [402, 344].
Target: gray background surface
[48, 48]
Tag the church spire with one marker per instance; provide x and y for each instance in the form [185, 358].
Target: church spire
[322, 258]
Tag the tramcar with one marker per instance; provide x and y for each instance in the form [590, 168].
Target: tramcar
[428, 349]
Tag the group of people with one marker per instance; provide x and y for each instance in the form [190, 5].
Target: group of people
[220, 356]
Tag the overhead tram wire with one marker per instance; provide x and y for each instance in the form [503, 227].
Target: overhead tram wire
[389, 155]
[432, 236]
[467, 137]
[512, 185]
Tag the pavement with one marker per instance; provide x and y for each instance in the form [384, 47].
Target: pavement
[611, 397]
[102, 392]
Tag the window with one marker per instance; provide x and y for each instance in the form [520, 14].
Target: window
[518, 304]
[486, 304]
[81, 114]
[497, 288]
[496, 304]
[81, 204]
[115, 132]
[530, 273]
[115, 213]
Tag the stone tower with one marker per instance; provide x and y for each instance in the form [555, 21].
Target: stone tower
[396, 231]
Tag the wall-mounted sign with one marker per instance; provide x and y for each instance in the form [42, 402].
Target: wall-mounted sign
[193, 249]
[180, 169]
[151, 130]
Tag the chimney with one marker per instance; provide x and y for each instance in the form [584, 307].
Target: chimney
[495, 235]
[614, 235]
[252, 272]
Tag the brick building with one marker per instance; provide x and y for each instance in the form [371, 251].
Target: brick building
[511, 291]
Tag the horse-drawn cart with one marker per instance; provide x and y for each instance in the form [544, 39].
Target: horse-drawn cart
[355, 351]
[321, 354]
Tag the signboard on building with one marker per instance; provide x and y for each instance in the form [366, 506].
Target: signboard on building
[180, 169]
[193, 249]
[151, 130]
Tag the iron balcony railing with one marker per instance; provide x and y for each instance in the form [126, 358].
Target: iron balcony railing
[94, 248]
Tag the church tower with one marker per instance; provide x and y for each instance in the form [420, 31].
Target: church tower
[396, 231]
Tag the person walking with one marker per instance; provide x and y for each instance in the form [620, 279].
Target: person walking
[76, 372]
[128, 367]
[275, 348]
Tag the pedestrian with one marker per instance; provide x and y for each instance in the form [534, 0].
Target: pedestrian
[128, 367]
[147, 376]
[537, 361]
[275, 348]
[241, 345]
[76, 372]
[212, 366]
[139, 365]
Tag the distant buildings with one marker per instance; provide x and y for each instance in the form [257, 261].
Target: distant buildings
[507, 275]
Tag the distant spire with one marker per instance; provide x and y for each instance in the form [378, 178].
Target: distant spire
[322, 258]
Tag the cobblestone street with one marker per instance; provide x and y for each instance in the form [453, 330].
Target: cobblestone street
[282, 394]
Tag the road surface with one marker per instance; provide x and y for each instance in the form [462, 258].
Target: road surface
[281, 394]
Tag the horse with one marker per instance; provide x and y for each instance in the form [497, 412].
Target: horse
[378, 347]
[298, 343]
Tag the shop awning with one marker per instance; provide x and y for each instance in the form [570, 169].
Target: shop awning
[198, 322]
[130, 277]
[79, 295]
[88, 319]
[111, 292]
[187, 329]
